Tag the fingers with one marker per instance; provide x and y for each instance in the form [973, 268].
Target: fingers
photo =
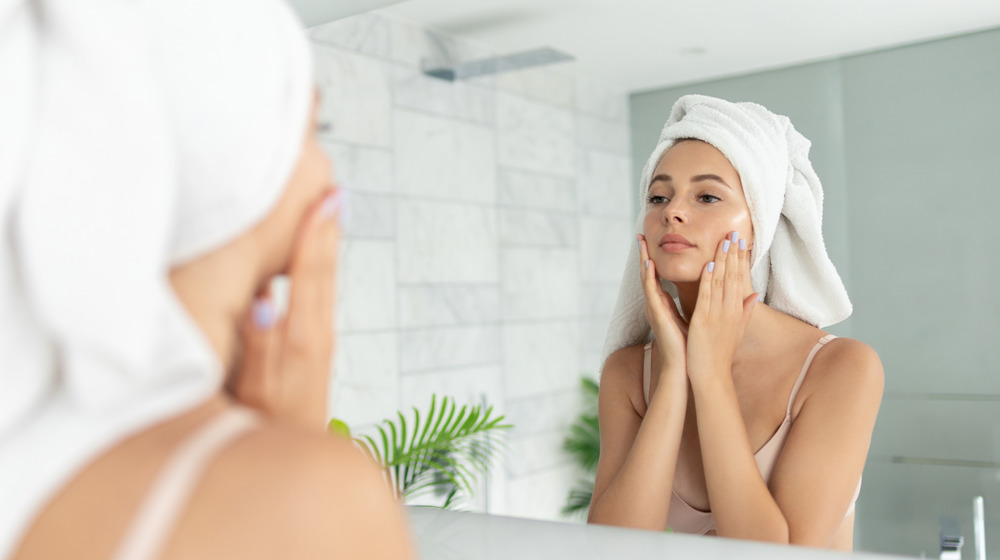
[312, 272]
[254, 382]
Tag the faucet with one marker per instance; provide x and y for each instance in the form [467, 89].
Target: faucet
[951, 538]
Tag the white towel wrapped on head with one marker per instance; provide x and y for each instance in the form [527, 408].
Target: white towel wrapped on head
[134, 136]
[790, 265]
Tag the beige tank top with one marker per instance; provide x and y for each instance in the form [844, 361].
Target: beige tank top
[685, 519]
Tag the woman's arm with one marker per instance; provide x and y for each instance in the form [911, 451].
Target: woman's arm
[635, 473]
[742, 505]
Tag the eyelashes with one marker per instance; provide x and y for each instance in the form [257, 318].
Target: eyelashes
[704, 198]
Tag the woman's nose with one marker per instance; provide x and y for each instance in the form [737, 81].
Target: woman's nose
[674, 212]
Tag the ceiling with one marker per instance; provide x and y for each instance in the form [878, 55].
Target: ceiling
[645, 44]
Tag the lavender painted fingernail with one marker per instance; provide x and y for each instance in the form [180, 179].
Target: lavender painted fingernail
[735, 236]
[332, 203]
[264, 315]
[638, 242]
[760, 297]
[743, 244]
[711, 266]
[647, 263]
[725, 246]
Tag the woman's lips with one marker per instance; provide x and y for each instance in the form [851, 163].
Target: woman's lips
[673, 243]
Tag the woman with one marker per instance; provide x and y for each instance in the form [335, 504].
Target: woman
[161, 168]
[740, 418]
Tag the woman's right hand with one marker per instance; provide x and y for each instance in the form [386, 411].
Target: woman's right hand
[284, 366]
[669, 328]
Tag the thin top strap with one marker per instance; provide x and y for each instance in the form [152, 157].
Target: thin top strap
[647, 361]
[805, 368]
[159, 512]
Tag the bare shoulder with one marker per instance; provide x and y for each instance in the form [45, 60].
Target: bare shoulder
[847, 367]
[280, 492]
[622, 377]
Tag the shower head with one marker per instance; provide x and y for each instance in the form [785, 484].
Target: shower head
[495, 65]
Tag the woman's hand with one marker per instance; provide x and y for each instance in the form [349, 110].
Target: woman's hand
[285, 364]
[669, 328]
[723, 309]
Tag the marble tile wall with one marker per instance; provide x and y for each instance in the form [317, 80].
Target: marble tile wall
[490, 220]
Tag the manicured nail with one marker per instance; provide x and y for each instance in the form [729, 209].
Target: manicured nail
[743, 244]
[711, 266]
[647, 263]
[736, 236]
[725, 247]
[263, 314]
[332, 203]
[760, 297]
[638, 242]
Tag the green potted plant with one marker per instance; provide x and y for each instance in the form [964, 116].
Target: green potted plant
[584, 444]
[443, 454]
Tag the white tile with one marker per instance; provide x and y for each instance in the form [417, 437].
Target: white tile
[444, 158]
[598, 300]
[360, 168]
[459, 99]
[369, 216]
[602, 101]
[364, 388]
[605, 185]
[530, 453]
[536, 191]
[535, 136]
[541, 495]
[356, 96]
[546, 412]
[410, 43]
[449, 347]
[541, 229]
[604, 246]
[363, 33]
[550, 84]
[540, 358]
[446, 242]
[367, 294]
[448, 304]
[601, 134]
[467, 386]
[539, 284]
[593, 331]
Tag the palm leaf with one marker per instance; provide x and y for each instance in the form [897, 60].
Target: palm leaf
[578, 500]
[445, 454]
[583, 443]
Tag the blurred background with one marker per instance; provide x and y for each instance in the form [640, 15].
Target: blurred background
[491, 214]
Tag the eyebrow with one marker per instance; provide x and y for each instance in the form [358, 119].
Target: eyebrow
[695, 179]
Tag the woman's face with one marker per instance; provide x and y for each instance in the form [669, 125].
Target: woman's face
[311, 179]
[694, 201]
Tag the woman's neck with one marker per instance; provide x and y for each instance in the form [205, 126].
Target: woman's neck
[763, 322]
[216, 290]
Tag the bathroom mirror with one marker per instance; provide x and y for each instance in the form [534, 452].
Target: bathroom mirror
[491, 217]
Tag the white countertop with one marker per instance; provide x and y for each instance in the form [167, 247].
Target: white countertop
[453, 535]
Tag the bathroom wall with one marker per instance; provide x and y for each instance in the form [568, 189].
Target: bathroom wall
[490, 223]
[905, 141]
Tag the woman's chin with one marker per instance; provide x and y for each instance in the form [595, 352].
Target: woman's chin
[679, 275]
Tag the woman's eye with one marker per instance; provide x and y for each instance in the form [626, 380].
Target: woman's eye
[655, 199]
[709, 199]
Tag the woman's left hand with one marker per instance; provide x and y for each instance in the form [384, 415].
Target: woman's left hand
[284, 368]
[722, 311]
